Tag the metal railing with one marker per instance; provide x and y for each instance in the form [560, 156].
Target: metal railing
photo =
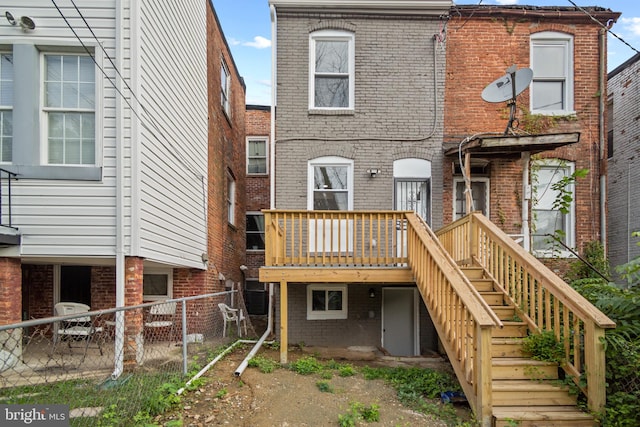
[6, 206]
[73, 359]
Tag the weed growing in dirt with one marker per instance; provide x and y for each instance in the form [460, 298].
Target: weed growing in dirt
[306, 365]
[324, 386]
[221, 393]
[264, 364]
[359, 412]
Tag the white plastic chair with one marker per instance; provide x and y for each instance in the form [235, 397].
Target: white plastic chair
[162, 316]
[230, 315]
[77, 328]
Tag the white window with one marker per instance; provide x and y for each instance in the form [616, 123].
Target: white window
[231, 199]
[479, 194]
[257, 156]
[69, 107]
[552, 64]
[331, 65]
[157, 284]
[255, 231]
[330, 184]
[547, 219]
[225, 88]
[326, 302]
[6, 107]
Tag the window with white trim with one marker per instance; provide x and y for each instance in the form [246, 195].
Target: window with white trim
[157, 284]
[552, 65]
[326, 302]
[257, 155]
[231, 199]
[331, 68]
[6, 106]
[330, 184]
[547, 219]
[225, 88]
[69, 109]
[479, 195]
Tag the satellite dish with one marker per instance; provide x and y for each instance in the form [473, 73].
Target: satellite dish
[507, 88]
[502, 89]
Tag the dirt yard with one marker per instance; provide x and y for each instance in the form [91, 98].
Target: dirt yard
[287, 399]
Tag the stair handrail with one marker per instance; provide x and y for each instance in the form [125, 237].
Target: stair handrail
[462, 318]
[548, 302]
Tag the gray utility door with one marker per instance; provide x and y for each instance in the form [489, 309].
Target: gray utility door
[399, 321]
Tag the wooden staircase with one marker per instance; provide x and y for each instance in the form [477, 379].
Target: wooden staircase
[525, 392]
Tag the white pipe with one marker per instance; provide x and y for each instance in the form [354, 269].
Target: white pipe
[526, 194]
[601, 137]
[240, 369]
[272, 152]
[120, 279]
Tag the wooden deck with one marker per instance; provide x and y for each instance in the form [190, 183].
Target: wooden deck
[483, 292]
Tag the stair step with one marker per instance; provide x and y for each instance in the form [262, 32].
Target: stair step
[482, 285]
[506, 347]
[511, 329]
[504, 312]
[493, 298]
[527, 416]
[473, 272]
[512, 368]
[530, 393]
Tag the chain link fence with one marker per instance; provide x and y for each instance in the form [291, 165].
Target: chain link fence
[116, 366]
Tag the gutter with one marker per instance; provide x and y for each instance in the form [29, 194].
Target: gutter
[243, 365]
[602, 140]
[274, 99]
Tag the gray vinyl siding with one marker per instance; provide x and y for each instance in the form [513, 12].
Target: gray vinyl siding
[394, 100]
[172, 157]
[624, 166]
[63, 217]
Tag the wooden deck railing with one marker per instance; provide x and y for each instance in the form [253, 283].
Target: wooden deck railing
[545, 301]
[396, 239]
[335, 238]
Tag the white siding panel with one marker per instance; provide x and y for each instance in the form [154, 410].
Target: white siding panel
[68, 218]
[172, 72]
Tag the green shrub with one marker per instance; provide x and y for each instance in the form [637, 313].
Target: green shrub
[306, 365]
[264, 364]
[544, 346]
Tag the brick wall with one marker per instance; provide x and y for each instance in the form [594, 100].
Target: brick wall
[226, 156]
[394, 115]
[479, 50]
[103, 287]
[10, 296]
[624, 166]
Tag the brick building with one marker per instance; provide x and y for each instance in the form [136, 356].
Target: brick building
[566, 50]
[258, 130]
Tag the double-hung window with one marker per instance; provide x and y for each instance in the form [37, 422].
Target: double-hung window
[69, 107]
[255, 231]
[548, 221]
[331, 65]
[225, 88]
[552, 64]
[479, 196]
[257, 156]
[6, 106]
[231, 199]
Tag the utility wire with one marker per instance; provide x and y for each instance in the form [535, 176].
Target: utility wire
[603, 26]
[152, 121]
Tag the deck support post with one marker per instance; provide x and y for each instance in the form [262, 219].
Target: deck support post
[284, 320]
[595, 365]
[483, 366]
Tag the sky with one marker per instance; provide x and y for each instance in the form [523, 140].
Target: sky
[247, 27]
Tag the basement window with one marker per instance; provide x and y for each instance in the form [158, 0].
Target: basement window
[326, 302]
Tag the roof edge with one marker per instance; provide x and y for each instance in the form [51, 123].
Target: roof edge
[418, 7]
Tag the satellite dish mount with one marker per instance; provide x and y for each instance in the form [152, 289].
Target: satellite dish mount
[507, 88]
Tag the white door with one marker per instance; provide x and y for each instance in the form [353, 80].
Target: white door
[400, 321]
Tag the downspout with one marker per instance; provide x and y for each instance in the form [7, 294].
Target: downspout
[272, 152]
[120, 288]
[601, 136]
[272, 202]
